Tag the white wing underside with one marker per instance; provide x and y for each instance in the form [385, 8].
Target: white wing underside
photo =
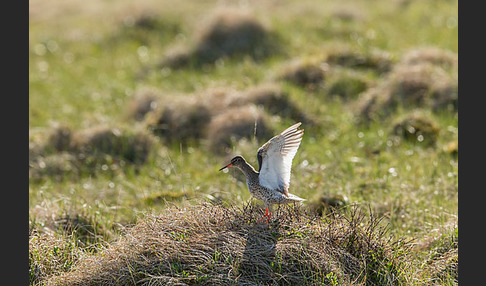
[277, 158]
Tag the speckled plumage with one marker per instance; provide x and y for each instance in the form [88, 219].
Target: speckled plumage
[271, 183]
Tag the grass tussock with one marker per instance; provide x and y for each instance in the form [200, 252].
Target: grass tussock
[131, 146]
[144, 26]
[246, 121]
[346, 84]
[422, 78]
[309, 75]
[273, 100]
[376, 60]
[225, 33]
[143, 101]
[50, 254]
[222, 117]
[182, 119]
[416, 127]
[323, 205]
[436, 56]
[70, 154]
[59, 237]
[216, 245]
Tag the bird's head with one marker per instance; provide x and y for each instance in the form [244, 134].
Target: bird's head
[235, 162]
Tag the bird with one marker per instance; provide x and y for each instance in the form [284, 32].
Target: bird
[271, 182]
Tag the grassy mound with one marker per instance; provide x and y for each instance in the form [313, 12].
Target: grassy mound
[346, 84]
[247, 121]
[216, 245]
[143, 101]
[305, 74]
[219, 117]
[379, 61]
[50, 254]
[444, 58]
[225, 33]
[273, 99]
[70, 154]
[327, 204]
[420, 79]
[144, 26]
[416, 127]
[183, 119]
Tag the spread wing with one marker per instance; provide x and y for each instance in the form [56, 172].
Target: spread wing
[275, 158]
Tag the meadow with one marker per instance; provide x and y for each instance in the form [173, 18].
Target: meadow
[134, 106]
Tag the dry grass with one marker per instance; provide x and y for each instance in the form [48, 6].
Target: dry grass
[323, 205]
[182, 119]
[346, 84]
[440, 248]
[377, 60]
[416, 127]
[419, 80]
[132, 147]
[444, 58]
[246, 121]
[215, 245]
[59, 166]
[225, 33]
[221, 117]
[305, 74]
[273, 99]
[50, 254]
[68, 154]
[144, 100]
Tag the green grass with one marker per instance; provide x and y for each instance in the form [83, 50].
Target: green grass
[87, 62]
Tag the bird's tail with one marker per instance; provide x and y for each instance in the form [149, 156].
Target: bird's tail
[296, 198]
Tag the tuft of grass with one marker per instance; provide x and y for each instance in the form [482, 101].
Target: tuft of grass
[134, 147]
[273, 99]
[433, 55]
[67, 154]
[183, 119]
[144, 101]
[417, 128]
[50, 255]
[410, 85]
[305, 74]
[224, 33]
[222, 117]
[247, 121]
[346, 84]
[215, 245]
[323, 205]
[376, 60]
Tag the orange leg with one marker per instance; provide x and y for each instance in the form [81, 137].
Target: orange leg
[267, 214]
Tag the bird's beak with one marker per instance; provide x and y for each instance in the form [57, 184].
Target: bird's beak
[229, 165]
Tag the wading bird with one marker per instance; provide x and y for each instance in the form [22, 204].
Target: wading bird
[271, 183]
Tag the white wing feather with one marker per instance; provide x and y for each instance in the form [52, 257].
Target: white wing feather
[277, 158]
